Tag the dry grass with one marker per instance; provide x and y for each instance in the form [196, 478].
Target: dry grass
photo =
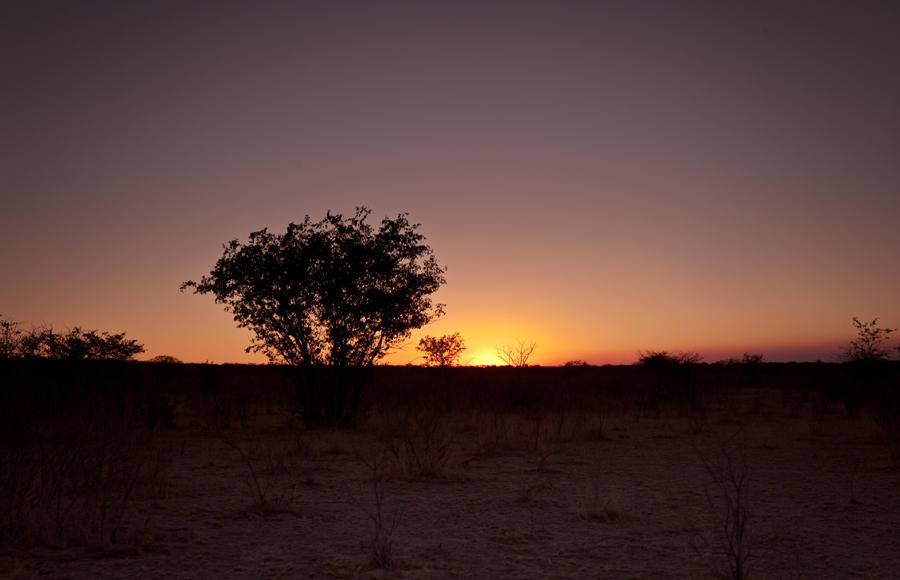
[69, 477]
[275, 470]
[420, 447]
[382, 519]
[600, 507]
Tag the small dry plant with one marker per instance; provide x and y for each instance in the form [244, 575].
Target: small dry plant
[545, 449]
[792, 401]
[598, 507]
[887, 416]
[576, 424]
[859, 487]
[731, 412]
[491, 432]
[729, 497]
[819, 410]
[698, 418]
[420, 448]
[217, 408]
[532, 488]
[595, 426]
[758, 402]
[276, 472]
[382, 521]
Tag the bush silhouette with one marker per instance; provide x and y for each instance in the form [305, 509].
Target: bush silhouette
[165, 358]
[865, 361]
[672, 376]
[869, 343]
[330, 298]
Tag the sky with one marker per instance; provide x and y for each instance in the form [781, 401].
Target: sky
[597, 177]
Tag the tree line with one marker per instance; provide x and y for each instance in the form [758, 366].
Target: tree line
[75, 343]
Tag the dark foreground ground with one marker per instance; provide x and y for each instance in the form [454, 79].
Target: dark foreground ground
[558, 473]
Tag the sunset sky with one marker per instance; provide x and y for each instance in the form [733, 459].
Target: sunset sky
[598, 177]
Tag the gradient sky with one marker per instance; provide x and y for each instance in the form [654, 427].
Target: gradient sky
[598, 177]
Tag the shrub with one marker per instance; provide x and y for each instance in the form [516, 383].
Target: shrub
[165, 358]
[576, 363]
[865, 362]
[672, 376]
[868, 345]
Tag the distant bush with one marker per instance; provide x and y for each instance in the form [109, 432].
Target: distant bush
[165, 358]
[747, 359]
[672, 376]
[865, 360]
[577, 363]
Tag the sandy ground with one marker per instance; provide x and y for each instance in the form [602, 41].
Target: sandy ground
[638, 503]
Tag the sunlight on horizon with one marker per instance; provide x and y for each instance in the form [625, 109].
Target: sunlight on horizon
[483, 356]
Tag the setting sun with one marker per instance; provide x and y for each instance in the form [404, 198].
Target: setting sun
[482, 357]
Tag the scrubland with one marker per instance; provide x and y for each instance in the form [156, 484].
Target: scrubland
[124, 470]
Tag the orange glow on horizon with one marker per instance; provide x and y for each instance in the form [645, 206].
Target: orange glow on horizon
[481, 357]
[617, 345]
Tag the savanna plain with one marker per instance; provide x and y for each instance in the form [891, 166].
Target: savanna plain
[150, 470]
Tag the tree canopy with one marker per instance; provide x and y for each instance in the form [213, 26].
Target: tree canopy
[335, 294]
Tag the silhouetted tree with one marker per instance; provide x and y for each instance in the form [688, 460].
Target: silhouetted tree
[442, 352]
[869, 342]
[330, 298]
[516, 355]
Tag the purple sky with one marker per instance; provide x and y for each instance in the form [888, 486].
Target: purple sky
[598, 177]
